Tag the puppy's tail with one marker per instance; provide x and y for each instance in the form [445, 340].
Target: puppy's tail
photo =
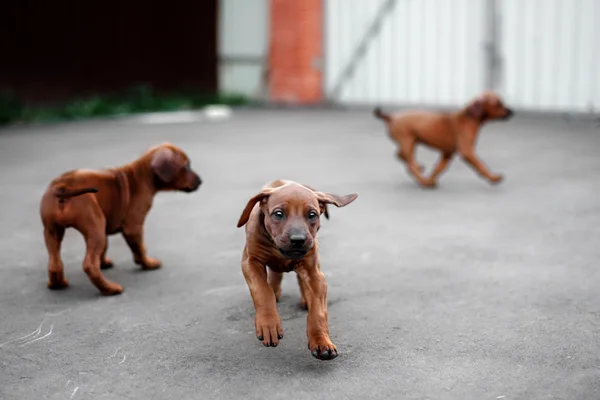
[381, 115]
[64, 193]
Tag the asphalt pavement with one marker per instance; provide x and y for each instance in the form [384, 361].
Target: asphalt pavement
[469, 291]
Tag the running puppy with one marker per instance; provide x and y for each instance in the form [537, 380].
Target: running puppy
[447, 132]
[282, 221]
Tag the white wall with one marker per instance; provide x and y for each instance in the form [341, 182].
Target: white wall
[428, 51]
[551, 54]
[431, 52]
[243, 45]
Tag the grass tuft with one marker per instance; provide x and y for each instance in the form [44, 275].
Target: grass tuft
[139, 99]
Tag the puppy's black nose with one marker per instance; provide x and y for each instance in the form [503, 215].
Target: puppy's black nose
[297, 240]
[196, 181]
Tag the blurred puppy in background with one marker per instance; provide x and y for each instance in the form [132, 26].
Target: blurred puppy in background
[448, 132]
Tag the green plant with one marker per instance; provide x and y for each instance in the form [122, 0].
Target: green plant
[10, 108]
[138, 99]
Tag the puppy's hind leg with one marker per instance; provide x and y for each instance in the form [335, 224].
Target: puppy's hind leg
[303, 304]
[275, 279]
[56, 277]
[442, 164]
[406, 153]
[402, 158]
[105, 262]
[92, 225]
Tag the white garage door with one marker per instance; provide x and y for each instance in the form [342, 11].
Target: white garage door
[545, 53]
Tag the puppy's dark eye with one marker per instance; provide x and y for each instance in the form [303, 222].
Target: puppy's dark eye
[312, 216]
[278, 215]
[187, 167]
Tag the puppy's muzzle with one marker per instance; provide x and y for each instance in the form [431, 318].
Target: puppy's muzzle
[194, 185]
[509, 113]
[297, 247]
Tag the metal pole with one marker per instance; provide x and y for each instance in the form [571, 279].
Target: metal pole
[491, 45]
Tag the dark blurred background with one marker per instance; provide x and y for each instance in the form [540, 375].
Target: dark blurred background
[54, 51]
[542, 56]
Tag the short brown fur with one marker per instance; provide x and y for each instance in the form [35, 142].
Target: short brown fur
[106, 202]
[282, 222]
[447, 132]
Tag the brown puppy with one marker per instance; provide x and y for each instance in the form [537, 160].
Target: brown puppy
[281, 232]
[447, 132]
[101, 203]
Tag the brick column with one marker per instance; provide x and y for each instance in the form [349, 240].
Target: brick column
[295, 49]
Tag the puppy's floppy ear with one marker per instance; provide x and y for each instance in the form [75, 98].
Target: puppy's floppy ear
[163, 164]
[476, 110]
[263, 195]
[336, 200]
[324, 210]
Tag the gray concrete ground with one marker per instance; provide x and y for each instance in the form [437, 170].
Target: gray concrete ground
[465, 292]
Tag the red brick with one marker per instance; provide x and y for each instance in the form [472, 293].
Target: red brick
[295, 43]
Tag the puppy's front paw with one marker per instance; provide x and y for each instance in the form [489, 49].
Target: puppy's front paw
[268, 329]
[429, 183]
[495, 179]
[106, 264]
[58, 285]
[303, 304]
[150, 263]
[112, 289]
[322, 348]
